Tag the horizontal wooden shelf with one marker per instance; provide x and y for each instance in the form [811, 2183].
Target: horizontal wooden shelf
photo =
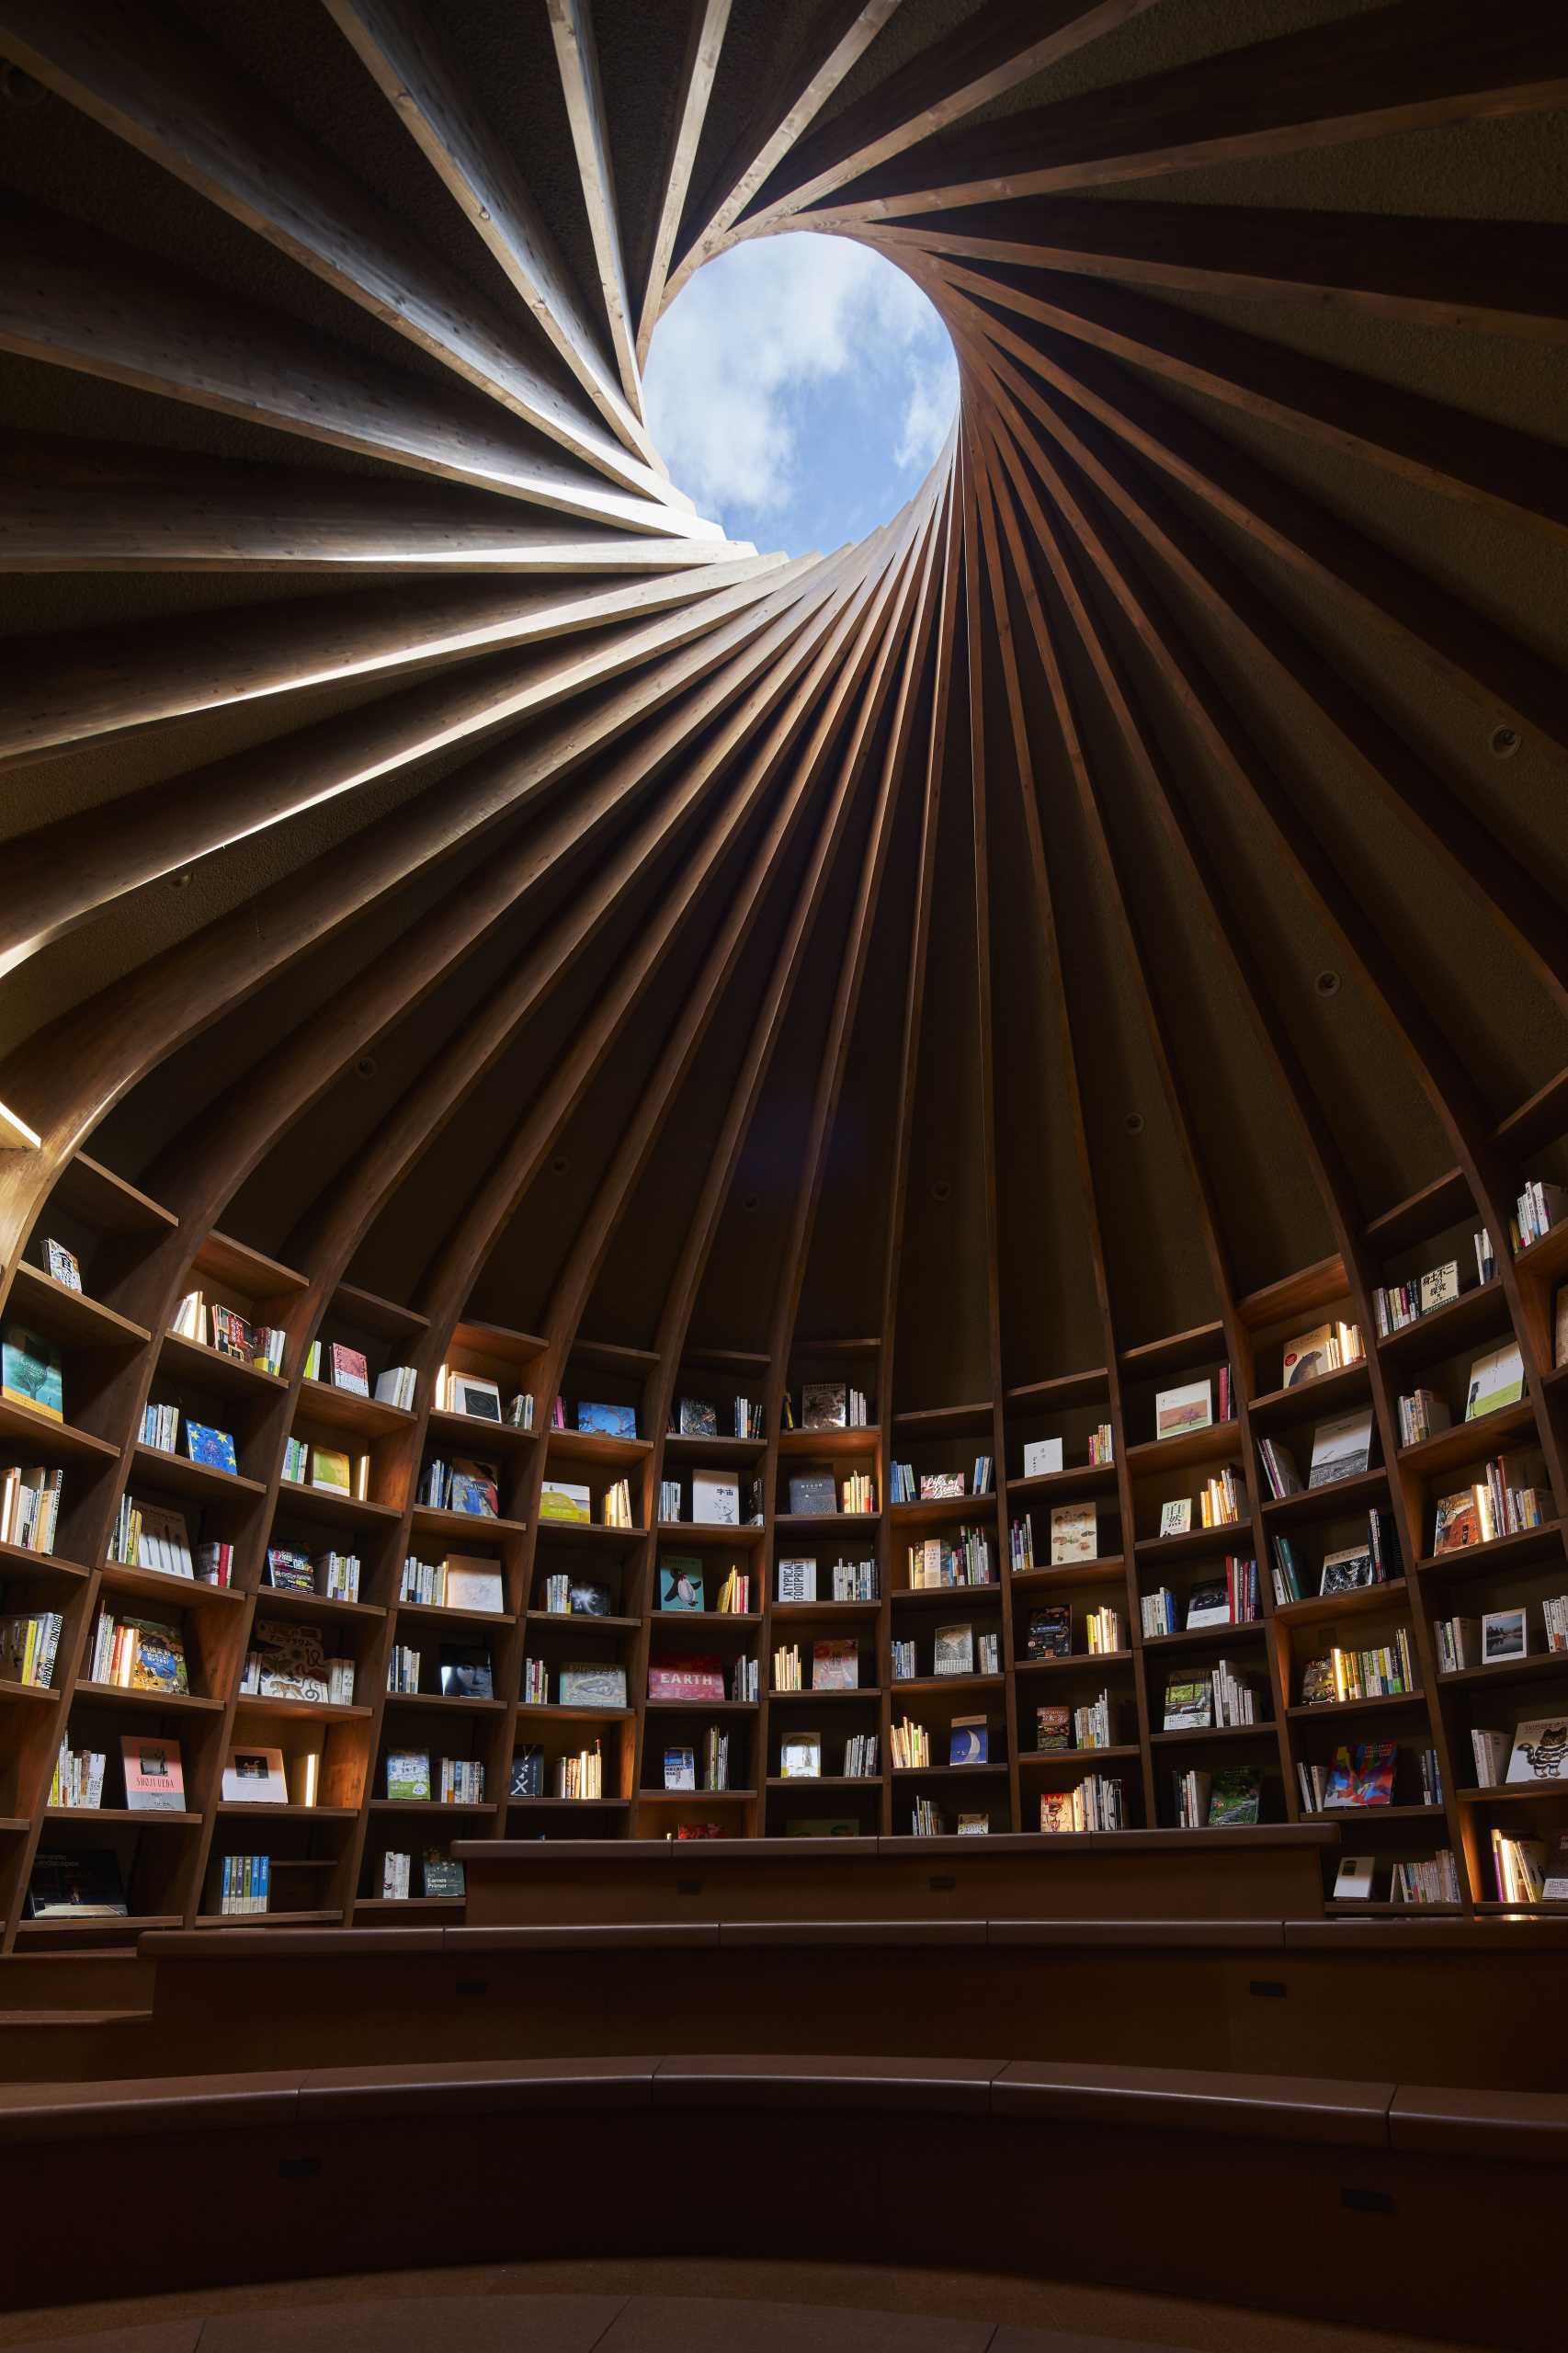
[140, 1816]
[331, 1503]
[1468, 1443]
[1370, 1813]
[432, 1805]
[1109, 1568]
[794, 1445]
[1202, 1346]
[676, 1619]
[322, 1919]
[1118, 1753]
[861, 1691]
[230, 1807]
[1344, 1498]
[701, 1707]
[940, 1511]
[681, 1447]
[163, 1585]
[708, 1532]
[597, 1446]
[1481, 1309]
[794, 1613]
[690, 1797]
[1268, 1730]
[943, 1596]
[497, 1343]
[577, 1805]
[974, 1420]
[1074, 1661]
[582, 1621]
[1445, 1202]
[46, 1693]
[73, 1317]
[152, 1466]
[1503, 1670]
[187, 1702]
[456, 1704]
[1220, 1442]
[901, 1686]
[221, 1259]
[1298, 1713]
[478, 1528]
[381, 1906]
[565, 1712]
[129, 1925]
[826, 1523]
[1062, 1486]
[466, 1432]
[251, 1703]
[1310, 1401]
[40, 1434]
[1513, 1792]
[1315, 1609]
[282, 1600]
[584, 1532]
[1192, 1638]
[320, 1404]
[992, 1765]
[212, 1369]
[110, 1202]
[1060, 1390]
[1471, 1560]
[367, 1311]
[1545, 1259]
[824, 1782]
[453, 1613]
[1236, 1535]
[18, 1559]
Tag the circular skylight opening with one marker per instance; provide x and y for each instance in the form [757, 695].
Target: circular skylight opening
[800, 389]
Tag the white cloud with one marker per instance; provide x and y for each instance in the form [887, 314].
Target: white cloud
[763, 326]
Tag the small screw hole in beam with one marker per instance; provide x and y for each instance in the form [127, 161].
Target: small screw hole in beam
[1133, 1124]
[1327, 984]
[1503, 743]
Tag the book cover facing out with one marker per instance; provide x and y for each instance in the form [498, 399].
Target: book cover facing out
[214, 1448]
[31, 1374]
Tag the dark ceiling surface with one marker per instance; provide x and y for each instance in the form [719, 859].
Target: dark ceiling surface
[1197, 739]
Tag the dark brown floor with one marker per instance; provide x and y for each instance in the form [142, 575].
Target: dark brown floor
[679, 2307]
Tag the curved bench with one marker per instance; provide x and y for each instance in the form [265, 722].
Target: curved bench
[1049, 2169]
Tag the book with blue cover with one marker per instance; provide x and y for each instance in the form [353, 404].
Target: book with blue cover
[609, 1421]
[29, 1373]
[213, 1448]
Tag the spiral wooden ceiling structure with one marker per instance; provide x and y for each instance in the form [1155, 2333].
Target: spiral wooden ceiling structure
[435, 858]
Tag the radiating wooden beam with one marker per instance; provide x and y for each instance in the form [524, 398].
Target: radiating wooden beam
[1407, 67]
[987, 55]
[62, 874]
[400, 45]
[177, 101]
[77, 301]
[1079, 392]
[1518, 476]
[838, 36]
[1487, 277]
[710, 19]
[577, 55]
[85, 683]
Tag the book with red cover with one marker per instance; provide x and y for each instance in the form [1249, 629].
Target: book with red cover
[691, 1676]
[349, 1370]
[1363, 1776]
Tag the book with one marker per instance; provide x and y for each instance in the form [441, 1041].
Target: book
[527, 1779]
[30, 1373]
[1041, 1456]
[562, 1499]
[1053, 1728]
[800, 1757]
[1176, 1518]
[408, 1774]
[475, 1488]
[1075, 1533]
[1341, 1449]
[680, 1768]
[1353, 1881]
[1540, 1750]
[953, 1651]
[797, 1580]
[968, 1741]
[694, 1676]
[440, 1875]
[1050, 1632]
[1234, 1797]
[84, 1883]
[715, 1498]
[1309, 1356]
[1362, 1776]
[214, 1448]
[1456, 1521]
[154, 1776]
[1496, 1380]
[681, 1583]
[349, 1370]
[825, 1406]
[835, 1664]
[1189, 1406]
[609, 1421]
[472, 1584]
[472, 1394]
[812, 1494]
[331, 1471]
[254, 1776]
[286, 1660]
[696, 1417]
[588, 1685]
[1504, 1635]
[1347, 1570]
[1188, 1707]
[465, 1671]
[64, 1265]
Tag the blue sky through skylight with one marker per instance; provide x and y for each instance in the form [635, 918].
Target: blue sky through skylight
[800, 388]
